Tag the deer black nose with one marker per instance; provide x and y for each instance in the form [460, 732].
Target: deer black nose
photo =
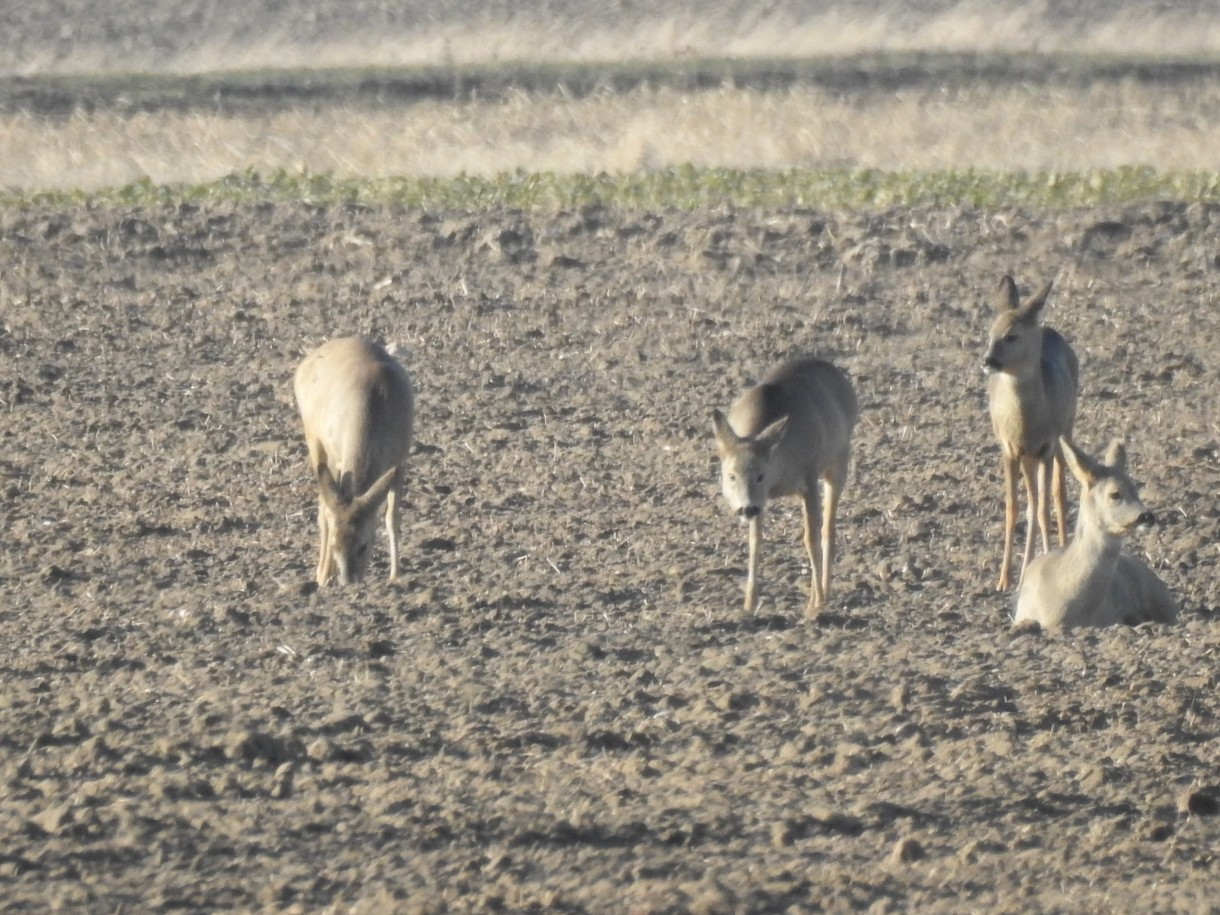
[1146, 519]
[751, 511]
[991, 365]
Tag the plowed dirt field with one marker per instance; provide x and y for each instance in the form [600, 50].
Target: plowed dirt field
[561, 705]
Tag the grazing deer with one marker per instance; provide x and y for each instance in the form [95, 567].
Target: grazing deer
[1090, 582]
[358, 408]
[1033, 379]
[782, 438]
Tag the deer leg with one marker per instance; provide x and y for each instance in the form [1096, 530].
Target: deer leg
[1029, 474]
[1044, 502]
[811, 510]
[323, 571]
[391, 522]
[836, 479]
[1010, 520]
[752, 574]
[1060, 501]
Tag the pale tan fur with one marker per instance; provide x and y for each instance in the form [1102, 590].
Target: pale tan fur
[358, 409]
[1033, 380]
[783, 437]
[1092, 583]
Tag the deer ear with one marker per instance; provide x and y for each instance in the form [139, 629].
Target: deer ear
[332, 496]
[1116, 456]
[1006, 296]
[1033, 306]
[726, 438]
[770, 436]
[369, 499]
[1083, 467]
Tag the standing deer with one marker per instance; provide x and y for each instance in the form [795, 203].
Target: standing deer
[1092, 583]
[783, 437]
[1033, 379]
[358, 408]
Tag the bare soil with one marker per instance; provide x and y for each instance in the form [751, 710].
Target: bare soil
[561, 705]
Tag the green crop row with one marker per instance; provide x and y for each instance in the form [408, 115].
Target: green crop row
[681, 188]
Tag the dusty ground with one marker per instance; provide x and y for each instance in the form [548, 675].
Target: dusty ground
[561, 706]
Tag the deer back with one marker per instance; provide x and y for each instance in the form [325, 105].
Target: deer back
[821, 407]
[1060, 380]
[357, 406]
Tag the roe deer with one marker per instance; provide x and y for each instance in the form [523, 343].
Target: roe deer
[1033, 379]
[358, 408]
[781, 438]
[1090, 582]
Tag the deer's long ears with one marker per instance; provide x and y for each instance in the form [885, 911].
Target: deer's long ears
[1006, 296]
[1033, 305]
[1083, 467]
[329, 489]
[1116, 455]
[770, 436]
[371, 498]
[726, 438]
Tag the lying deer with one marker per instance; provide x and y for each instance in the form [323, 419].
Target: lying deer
[782, 438]
[1092, 583]
[1033, 379]
[358, 408]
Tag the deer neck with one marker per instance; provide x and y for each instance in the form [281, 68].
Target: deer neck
[1019, 408]
[1026, 382]
[1090, 560]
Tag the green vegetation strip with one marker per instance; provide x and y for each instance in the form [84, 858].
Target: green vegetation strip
[681, 188]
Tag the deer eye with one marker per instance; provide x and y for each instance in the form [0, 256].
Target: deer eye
[1116, 496]
[1010, 338]
[760, 478]
[732, 477]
